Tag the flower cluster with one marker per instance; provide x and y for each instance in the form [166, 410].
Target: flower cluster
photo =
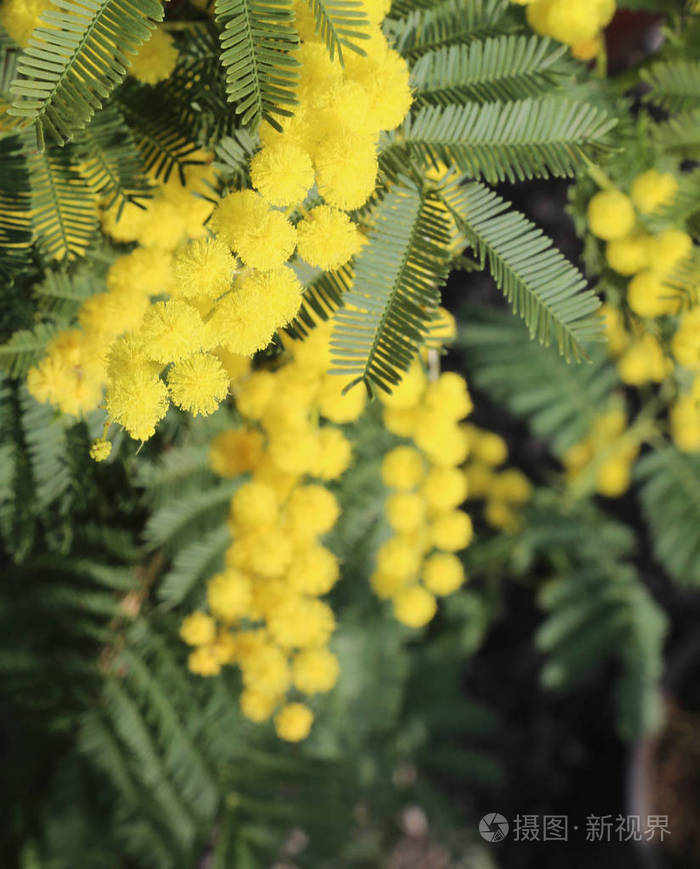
[503, 491]
[606, 455]
[651, 261]
[122, 341]
[577, 23]
[229, 292]
[427, 487]
[265, 612]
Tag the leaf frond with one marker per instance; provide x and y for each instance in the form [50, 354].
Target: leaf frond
[395, 292]
[75, 58]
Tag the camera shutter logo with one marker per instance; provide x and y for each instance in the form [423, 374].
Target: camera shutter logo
[493, 827]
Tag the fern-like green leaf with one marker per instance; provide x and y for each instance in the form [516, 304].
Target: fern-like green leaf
[670, 495]
[451, 22]
[323, 294]
[542, 285]
[158, 131]
[15, 203]
[501, 68]
[339, 23]
[395, 294]
[192, 564]
[110, 161]
[64, 213]
[681, 134]
[559, 400]
[595, 614]
[178, 523]
[48, 449]
[25, 348]
[258, 48]
[76, 56]
[518, 140]
[675, 84]
[61, 293]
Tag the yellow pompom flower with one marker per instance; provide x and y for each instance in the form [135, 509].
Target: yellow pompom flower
[649, 296]
[685, 423]
[100, 449]
[147, 269]
[327, 238]
[409, 391]
[138, 401]
[282, 173]
[538, 15]
[452, 531]
[573, 21]
[295, 452]
[198, 629]
[488, 447]
[229, 595]
[629, 255]
[403, 468]
[254, 504]
[171, 331]
[155, 60]
[611, 214]
[685, 344]
[448, 397]
[401, 422]
[414, 606]
[346, 169]
[333, 454]
[262, 238]
[444, 488]
[311, 510]
[301, 623]
[511, 486]
[399, 557]
[268, 553]
[652, 189]
[336, 406]
[314, 570]
[405, 512]
[443, 573]
[110, 314]
[204, 269]
[315, 671]
[235, 452]
[444, 443]
[265, 668]
[261, 302]
[198, 384]
[254, 394]
[204, 661]
[613, 477]
[256, 705]
[643, 362]
[587, 49]
[668, 248]
[293, 722]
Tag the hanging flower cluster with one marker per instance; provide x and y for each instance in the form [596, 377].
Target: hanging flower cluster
[426, 486]
[265, 613]
[654, 297]
[577, 23]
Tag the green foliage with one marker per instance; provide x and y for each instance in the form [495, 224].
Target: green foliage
[528, 138]
[675, 84]
[502, 68]
[541, 284]
[559, 401]
[340, 23]
[258, 43]
[76, 57]
[598, 612]
[15, 203]
[396, 276]
[63, 207]
[670, 493]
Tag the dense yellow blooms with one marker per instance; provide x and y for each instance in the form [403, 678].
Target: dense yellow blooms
[327, 238]
[653, 189]
[611, 215]
[20, 17]
[262, 238]
[605, 457]
[293, 722]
